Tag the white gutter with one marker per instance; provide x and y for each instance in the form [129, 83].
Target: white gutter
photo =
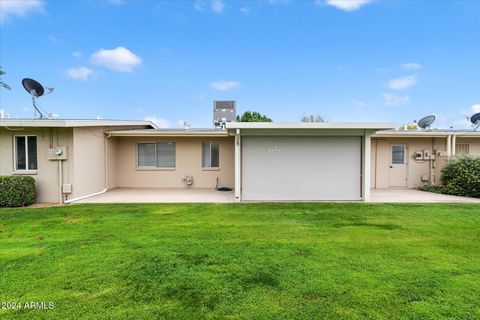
[153, 133]
[87, 196]
[449, 146]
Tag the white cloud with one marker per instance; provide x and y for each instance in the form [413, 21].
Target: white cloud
[464, 122]
[224, 85]
[77, 54]
[392, 99]
[346, 5]
[10, 8]
[159, 122]
[199, 5]
[475, 108]
[80, 73]
[245, 11]
[402, 83]
[119, 59]
[411, 66]
[217, 5]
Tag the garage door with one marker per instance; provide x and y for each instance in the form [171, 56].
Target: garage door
[301, 168]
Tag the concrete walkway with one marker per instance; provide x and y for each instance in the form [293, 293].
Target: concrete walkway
[137, 195]
[414, 195]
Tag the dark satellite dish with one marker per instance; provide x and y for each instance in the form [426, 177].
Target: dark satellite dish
[426, 122]
[475, 120]
[33, 87]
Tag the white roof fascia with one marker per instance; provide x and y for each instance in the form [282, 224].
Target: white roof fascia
[71, 123]
[311, 125]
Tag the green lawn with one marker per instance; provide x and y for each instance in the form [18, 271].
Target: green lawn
[249, 261]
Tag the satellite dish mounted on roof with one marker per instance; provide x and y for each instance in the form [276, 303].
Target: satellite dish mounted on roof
[475, 120]
[426, 122]
[36, 90]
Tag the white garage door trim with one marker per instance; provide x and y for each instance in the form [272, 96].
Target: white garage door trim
[289, 168]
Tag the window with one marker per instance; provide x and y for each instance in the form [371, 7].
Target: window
[25, 153]
[210, 155]
[156, 155]
[398, 154]
[462, 148]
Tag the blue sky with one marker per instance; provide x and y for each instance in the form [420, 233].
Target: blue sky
[354, 60]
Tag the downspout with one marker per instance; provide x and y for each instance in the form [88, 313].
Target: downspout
[60, 170]
[238, 166]
[106, 159]
[449, 146]
[431, 165]
[454, 147]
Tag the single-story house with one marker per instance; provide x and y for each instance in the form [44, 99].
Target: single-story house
[74, 159]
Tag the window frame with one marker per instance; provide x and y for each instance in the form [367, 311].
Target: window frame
[404, 158]
[27, 170]
[465, 146]
[155, 167]
[210, 149]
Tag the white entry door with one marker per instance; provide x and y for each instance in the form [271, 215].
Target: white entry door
[398, 165]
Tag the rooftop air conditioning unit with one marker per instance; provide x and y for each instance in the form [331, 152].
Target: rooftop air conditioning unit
[223, 112]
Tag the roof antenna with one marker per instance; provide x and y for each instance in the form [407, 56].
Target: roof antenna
[426, 122]
[36, 90]
[475, 120]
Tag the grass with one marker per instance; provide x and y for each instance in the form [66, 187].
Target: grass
[249, 261]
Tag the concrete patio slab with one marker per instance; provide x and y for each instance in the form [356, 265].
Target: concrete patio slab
[414, 195]
[140, 195]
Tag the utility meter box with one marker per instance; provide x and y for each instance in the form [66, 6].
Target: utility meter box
[67, 188]
[419, 155]
[57, 153]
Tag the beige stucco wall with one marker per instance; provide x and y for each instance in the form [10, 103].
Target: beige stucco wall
[380, 169]
[112, 160]
[89, 160]
[47, 175]
[188, 163]
[474, 143]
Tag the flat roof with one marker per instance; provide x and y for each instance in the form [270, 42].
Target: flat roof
[73, 123]
[311, 125]
[426, 133]
[194, 132]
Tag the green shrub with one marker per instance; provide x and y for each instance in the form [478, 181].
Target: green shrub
[461, 177]
[17, 191]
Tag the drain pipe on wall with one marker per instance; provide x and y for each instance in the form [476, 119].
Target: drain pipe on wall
[449, 147]
[84, 197]
[454, 147]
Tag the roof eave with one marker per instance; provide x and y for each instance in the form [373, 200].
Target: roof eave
[316, 126]
[127, 133]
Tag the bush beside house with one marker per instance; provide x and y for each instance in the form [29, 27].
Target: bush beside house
[17, 191]
[460, 177]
